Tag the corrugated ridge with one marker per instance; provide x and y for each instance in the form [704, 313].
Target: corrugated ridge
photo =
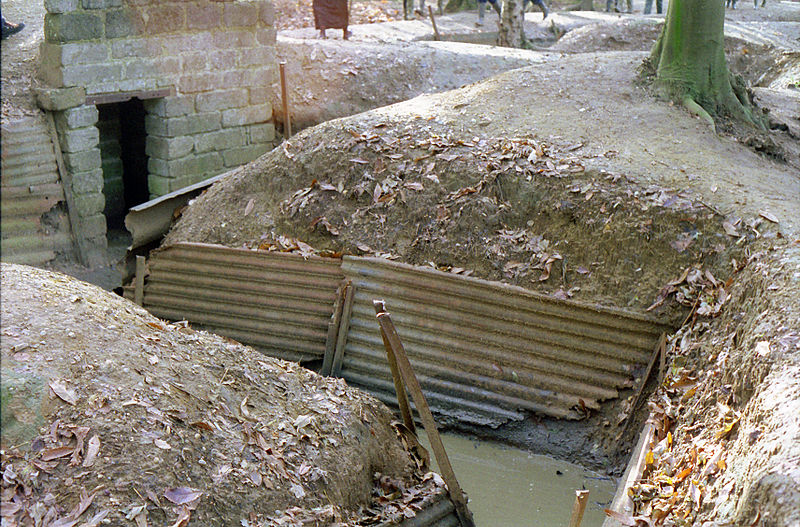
[521, 350]
[278, 302]
[30, 188]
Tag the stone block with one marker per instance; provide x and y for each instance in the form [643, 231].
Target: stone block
[138, 68]
[266, 14]
[56, 55]
[87, 182]
[102, 87]
[157, 185]
[260, 56]
[200, 82]
[79, 117]
[169, 147]
[234, 39]
[59, 99]
[221, 100]
[222, 59]
[88, 205]
[266, 36]
[135, 85]
[123, 23]
[209, 163]
[93, 226]
[260, 95]
[249, 115]
[79, 139]
[165, 19]
[135, 47]
[220, 140]
[194, 62]
[262, 133]
[244, 78]
[170, 106]
[100, 4]
[91, 74]
[244, 154]
[70, 27]
[94, 250]
[240, 14]
[206, 16]
[83, 161]
[60, 6]
[186, 125]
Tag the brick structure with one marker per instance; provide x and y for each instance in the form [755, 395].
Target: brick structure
[201, 70]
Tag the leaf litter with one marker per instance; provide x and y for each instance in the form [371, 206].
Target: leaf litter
[210, 433]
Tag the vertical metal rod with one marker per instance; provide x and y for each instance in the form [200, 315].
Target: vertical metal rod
[287, 119]
[138, 285]
[433, 21]
[410, 380]
[399, 387]
[581, 497]
[344, 327]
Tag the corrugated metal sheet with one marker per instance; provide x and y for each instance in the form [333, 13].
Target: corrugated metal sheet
[277, 302]
[35, 227]
[485, 351]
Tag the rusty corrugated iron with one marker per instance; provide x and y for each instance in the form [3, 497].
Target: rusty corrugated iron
[278, 302]
[34, 218]
[486, 351]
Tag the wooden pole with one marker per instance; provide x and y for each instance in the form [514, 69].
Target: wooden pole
[433, 21]
[287, 119]
[410, 380]
[581, 497]
[341, 337]
[138, 285]
[333, 330]
[399, 387]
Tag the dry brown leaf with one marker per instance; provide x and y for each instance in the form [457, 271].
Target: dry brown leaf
[768, 216]
[163, 445]
[182, 495]
[59, 388]
[55, 453]
[91, 451]
[624, 519]
[183, 517]
[249, 207]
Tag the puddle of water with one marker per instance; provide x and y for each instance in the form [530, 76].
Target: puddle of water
[508, 487]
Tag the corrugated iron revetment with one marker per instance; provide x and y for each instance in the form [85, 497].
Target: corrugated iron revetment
[484, 352]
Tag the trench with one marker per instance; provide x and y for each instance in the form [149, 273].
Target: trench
[510, 487]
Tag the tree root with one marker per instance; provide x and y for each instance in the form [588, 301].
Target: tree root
[699, 111]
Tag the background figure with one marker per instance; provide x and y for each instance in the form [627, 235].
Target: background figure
[541, 5]
[331, 14]
[616, 8]
[648, 6]
[10, 28]
[482, 8]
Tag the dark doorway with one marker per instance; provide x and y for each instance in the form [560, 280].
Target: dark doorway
[122, 146]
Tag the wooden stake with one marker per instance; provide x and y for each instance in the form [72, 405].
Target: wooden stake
[581, 497]
[399, 387]
[333, 330]
[138, 285]
[410, 380]
[287, 119]
[433, 21]
[341, 338]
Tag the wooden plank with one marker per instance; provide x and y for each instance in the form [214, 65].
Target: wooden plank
[108, 98]
[333, 330]
[66, 181]
[410, 380]
[399, 388]
[341, 339]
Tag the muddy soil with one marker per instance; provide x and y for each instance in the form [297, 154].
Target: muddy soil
[110, 414]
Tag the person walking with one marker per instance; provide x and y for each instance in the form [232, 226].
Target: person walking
[648, 6]
[482, 9]
[331, 14]
[9, 28]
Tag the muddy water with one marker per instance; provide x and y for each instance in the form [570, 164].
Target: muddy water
[508, 487]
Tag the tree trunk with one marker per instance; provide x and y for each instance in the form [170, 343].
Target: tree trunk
[511, 34]
[690, 65]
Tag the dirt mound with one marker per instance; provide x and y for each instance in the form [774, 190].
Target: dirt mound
[109, 413]
[521, 209]
[625, 34]
[731, 404]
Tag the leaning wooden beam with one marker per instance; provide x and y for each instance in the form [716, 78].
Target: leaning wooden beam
[581, 497]
[333, 330]
[659, 353]
[341, 338]
[399, 388]
[410, 380]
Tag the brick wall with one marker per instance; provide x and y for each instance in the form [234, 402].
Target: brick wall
[202, 67]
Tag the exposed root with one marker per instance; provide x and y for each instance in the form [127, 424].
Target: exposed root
[697, 110]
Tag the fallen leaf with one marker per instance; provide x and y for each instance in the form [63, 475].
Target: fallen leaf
[249, 207]
[183, 518]
[762, 348]
[414, 186]
[55, 453]
[302, 420]
[182, 495]
[163, 445]
[624, 519]
[297, 490]
[153, 360]
[91, 451]
[768, 216]
[730, 229]
[59, 388]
